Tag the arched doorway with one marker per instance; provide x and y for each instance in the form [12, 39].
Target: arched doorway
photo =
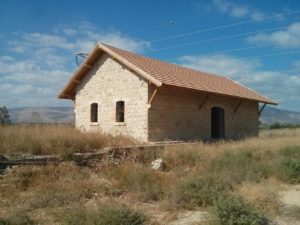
[217, 123]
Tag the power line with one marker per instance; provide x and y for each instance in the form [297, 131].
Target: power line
[230, 50]
[257, 56]
[223, 26]
[214, 39]
[167, 23]
[235, 50]
[270, 55]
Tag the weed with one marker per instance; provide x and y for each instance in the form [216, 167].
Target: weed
[239, 167]
[233, 210]
[51, 186]
[289, 170]
[178, 157]
[105, 215]
[263, 196]
[287, 167]
[18, 217]
[59, 139]
[293, 151]
[132, 178]
[199, 191]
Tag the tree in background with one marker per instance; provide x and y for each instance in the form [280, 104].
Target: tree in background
[4, 116]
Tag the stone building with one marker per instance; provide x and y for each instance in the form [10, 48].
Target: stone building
[119, 92]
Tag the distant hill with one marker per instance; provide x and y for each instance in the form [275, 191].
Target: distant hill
[42, 115]
[271, 115]
[66, 115]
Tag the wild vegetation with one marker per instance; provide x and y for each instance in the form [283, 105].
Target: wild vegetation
[4, 116]
[237, 182]
[55, 139]
[277, 125]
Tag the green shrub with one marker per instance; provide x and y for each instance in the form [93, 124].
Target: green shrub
[233, 210]
[199, 191]
[105, 215]
[287, 167]
[277, 125]
[241, 166]
[17, 218]
[144, 181]
[289, 170]
[291, 152]
[3, 222]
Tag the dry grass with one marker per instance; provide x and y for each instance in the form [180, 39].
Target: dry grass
[264, 195]
[198, 175]
[198, 157]
[108, 214]
[48, 186]
[142, 181]
[254, 168]
[55, 139]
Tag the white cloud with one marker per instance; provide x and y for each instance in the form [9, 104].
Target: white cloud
[6, 58]
[88, 39]
[231, 8]
[296, 65]
[220, 64]
[257, 15]
[79, 39]
[69, 31]
[30, 73]
[237, 10]
[43, 62]
[281, 86]
[89, 34]
[37, 40]
[25, 83]
[288, 38]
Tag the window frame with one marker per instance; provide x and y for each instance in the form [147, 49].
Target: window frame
[94, 117]
[120, 112]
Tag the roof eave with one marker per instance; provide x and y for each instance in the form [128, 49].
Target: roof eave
[268, 101]
[84, 66]
[90, 60]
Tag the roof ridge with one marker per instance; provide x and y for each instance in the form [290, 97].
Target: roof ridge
[160, 73]
[168, 63]
[128, 63]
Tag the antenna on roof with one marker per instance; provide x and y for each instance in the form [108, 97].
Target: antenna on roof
[80, 58]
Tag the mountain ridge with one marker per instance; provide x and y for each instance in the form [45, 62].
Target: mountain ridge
[66, 115]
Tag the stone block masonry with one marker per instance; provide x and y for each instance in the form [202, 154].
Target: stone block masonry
[175, 113]
[109, 82]
[178, 114]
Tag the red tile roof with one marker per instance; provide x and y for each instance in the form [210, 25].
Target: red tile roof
[163, 73]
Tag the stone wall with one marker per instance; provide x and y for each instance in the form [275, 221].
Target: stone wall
[174, 112]
[175, 115]
[107, 83]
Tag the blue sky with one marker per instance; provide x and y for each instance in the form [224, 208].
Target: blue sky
[256, 43]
